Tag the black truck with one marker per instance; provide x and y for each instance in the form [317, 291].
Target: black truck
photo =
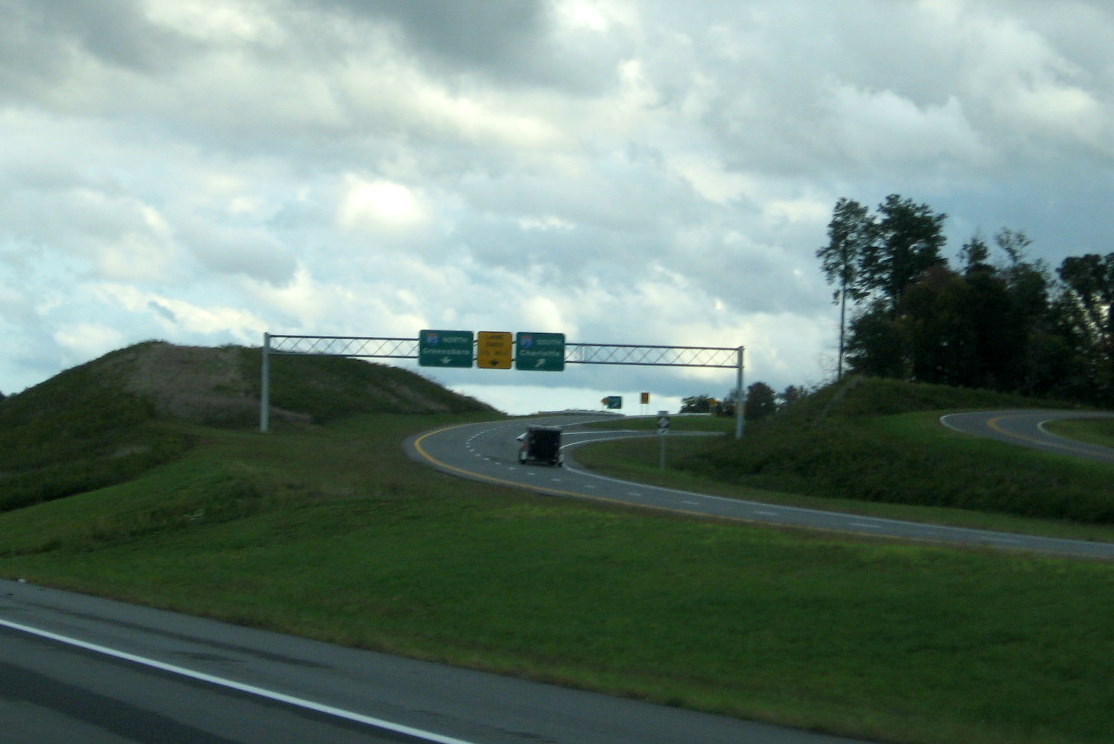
[541, 444]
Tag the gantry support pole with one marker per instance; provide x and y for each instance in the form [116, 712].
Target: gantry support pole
[265, 387]
[740, 399]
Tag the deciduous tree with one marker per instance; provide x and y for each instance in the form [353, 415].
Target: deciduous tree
[761, 401]
[696, 404]
[1086, 309]
[791, 395]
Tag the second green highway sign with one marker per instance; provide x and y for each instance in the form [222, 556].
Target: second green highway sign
[540, 352]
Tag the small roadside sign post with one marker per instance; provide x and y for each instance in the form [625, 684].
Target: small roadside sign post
[540, 352]
[663, 430]
[493, 349]
[445, 348]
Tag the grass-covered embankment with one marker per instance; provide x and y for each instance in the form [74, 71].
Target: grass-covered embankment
[329, 531]
[877, 446]
[1095, 431]
[111, 419]
[77, 432]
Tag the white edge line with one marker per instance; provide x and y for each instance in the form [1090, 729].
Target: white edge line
[1032, 541]
[239, 686]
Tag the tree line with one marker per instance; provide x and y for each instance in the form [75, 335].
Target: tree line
[996, 320]
[759, 401]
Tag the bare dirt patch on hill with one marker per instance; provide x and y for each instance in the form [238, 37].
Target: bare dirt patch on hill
[198, 384]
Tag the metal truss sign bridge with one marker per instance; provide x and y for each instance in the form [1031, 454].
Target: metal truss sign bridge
[545, 352]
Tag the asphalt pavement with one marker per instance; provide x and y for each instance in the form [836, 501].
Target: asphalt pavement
[1026, 428]
[83, 669]
[487, 452]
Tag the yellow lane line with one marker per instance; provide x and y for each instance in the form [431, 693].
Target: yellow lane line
[590, 497]
[504, 482]
[920, 540]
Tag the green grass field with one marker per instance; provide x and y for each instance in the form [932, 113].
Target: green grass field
[1095, 431]
[727, 468]
[329, 531]
[332, 533]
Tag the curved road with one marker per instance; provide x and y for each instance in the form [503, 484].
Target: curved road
[1026, 428]
[488, 452]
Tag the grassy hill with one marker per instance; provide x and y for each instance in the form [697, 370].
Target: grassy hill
[880, 441]
[107, 421]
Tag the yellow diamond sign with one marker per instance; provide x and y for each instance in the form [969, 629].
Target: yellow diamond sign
[493, 349]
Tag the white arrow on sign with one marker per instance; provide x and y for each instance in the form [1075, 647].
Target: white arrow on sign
[540, 363]
[446, 360]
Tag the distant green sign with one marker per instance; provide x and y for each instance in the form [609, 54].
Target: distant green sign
[445, 348]
[540, 352]
[613, 401]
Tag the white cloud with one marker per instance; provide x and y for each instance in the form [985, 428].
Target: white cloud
[85, 341]
[882, 127]
[806, 209]
[642, 172]
[214, 23]
[595, 15]
[301, 305]
[181, 316]
[546, 315]
[547, 222]
[249, 252]
[712, 181]
[378, 201]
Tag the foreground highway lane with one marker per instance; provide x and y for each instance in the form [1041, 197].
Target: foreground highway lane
[488, 452]
[53, 692]
[86, 670]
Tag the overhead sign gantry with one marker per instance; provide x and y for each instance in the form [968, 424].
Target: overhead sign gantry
[534, 352]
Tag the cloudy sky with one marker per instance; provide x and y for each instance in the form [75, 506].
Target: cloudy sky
[620, 171]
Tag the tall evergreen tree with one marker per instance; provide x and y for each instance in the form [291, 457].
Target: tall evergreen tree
[975, 255]
[850, 234]
[874, 258]
[908, 238]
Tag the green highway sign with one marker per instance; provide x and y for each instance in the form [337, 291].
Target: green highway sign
[539, 352]
[445, 348]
